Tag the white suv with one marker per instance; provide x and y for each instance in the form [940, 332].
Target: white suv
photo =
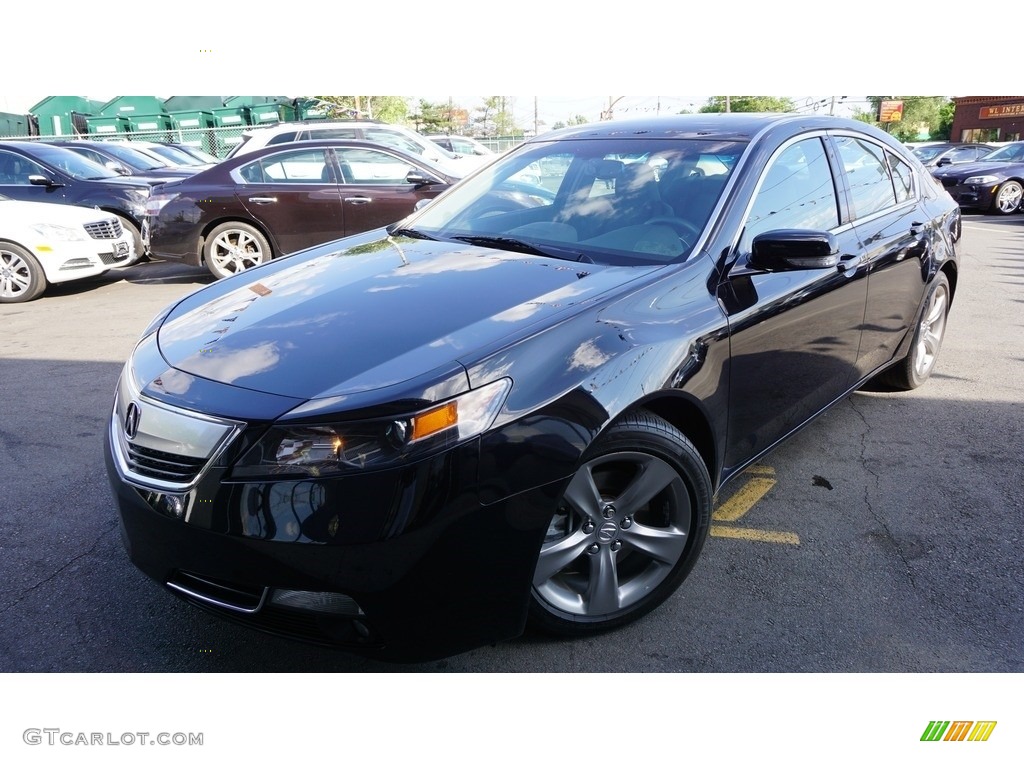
[395, 136]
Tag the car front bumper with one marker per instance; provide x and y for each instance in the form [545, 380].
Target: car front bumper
[978, 196]
[409, 562]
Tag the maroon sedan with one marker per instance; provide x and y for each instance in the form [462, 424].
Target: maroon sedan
[247, 210]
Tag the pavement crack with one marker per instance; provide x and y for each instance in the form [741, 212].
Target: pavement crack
[867, 495]
[24, 594]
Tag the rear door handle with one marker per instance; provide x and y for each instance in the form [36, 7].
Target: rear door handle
[262, 200]
[850, 265]
[359, 200]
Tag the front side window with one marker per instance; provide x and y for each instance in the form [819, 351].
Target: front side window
[871, 186]
[369, 166]
[797, 192]
[15, 169]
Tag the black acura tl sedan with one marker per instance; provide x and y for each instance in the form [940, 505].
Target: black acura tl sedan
[416, 440]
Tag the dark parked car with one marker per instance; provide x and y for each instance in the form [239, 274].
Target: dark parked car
[44, 173]
[940, 155]
[254, 207]
[993, 184]
[409, 442]
[128, 161]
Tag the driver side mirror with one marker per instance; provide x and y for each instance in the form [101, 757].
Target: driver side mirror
[42, 181]
[783, 250]
[944, 161]
[419, 178]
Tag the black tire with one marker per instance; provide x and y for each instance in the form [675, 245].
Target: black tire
[627, 531]
[234, 247]
[1007, 198]
[21, 276]
[136, 235]
[914, 370]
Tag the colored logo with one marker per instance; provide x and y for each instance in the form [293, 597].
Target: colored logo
[958, 730]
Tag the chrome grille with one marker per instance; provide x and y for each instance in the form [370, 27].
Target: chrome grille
[108, 229]
[163, 466]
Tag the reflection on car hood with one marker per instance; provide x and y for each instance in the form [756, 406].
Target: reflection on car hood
[369, 312]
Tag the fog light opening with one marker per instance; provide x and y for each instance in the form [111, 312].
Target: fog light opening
[333, 603]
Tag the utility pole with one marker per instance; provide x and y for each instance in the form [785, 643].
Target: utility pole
[536, 122]
[727, 107]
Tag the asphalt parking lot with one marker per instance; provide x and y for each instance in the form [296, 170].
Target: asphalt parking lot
[883, 538]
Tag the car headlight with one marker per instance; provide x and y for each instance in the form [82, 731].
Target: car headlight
[157, 202]
[981, 180]
[318, 450]
[57, 232]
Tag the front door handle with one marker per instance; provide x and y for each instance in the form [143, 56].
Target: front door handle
[262, 200]
[359, 200]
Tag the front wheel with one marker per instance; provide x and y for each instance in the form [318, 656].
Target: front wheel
[627, 531]
[1008, 198]
[21, 276]
[235, 247]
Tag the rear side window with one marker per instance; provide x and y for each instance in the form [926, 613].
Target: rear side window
[868, 175]
[282, 138]
[295, 167]
[902, 178]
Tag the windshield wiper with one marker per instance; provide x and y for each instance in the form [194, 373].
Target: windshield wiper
[521, 246]
[406, 232]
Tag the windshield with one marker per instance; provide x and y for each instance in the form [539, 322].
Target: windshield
[132, 157]
[72, 163]
[604, 201]
[1011, 153]
[924, 154]
[174, 155]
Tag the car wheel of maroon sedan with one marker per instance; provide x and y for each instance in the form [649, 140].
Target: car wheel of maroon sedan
[628, 529]
[234, 247]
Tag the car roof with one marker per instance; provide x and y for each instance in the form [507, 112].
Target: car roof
[742, 126]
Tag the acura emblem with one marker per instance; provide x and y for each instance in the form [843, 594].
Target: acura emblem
[131, 420]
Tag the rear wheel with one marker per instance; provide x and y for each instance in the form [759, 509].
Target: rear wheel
[21, 276]
[626, 532]
[917, 366]
[234, 247]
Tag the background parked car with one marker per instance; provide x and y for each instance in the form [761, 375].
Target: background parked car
[994, 183]
[183, 155]
[462, 145]
[44, 173]
[939, 155]
[43, 243]
[259, 205]
[127, 160]
[396, 136]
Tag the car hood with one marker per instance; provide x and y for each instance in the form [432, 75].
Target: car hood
[371, 312]
[966, 170]
[29, 213]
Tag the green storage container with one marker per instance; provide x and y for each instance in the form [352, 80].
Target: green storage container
[65, 115]
[107, 126]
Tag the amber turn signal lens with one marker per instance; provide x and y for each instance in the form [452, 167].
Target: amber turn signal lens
[434, 421]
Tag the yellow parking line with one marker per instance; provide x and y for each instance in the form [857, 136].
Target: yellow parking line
[752, 534]
[736, 506]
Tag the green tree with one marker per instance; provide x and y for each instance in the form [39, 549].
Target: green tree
[578, 120]
[390, 109]
[433, 117]
[749, 104]
[495, 117]
[922, 116]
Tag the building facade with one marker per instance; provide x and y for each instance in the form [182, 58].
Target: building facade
[988, 118]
